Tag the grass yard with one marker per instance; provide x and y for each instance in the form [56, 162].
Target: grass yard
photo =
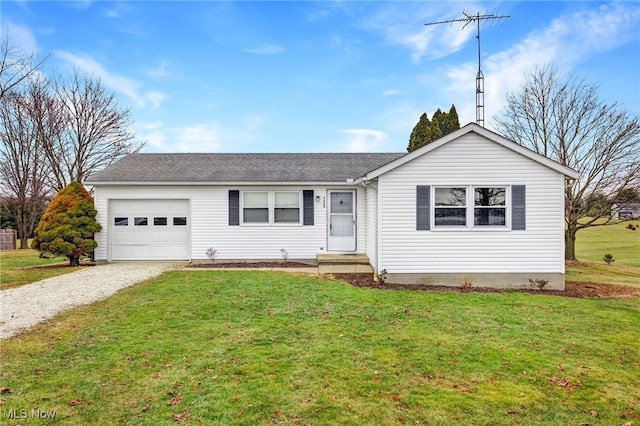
[591, 246]
[260, 348]
[17, 267]
[624, 244]
[602, 273]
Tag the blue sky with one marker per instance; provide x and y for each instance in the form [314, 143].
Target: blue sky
[340, 76]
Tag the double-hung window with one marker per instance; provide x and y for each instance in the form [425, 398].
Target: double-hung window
[255, 207]
[490, 207]
[271, 207]
[450, 207]
[286, 207]
[468, 206]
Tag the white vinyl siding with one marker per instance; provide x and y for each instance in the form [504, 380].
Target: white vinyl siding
[472, 161]
[209, 222]
[371, 223]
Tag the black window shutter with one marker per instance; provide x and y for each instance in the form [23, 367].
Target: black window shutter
[307, 204]
[423, 222]
[518, 208]
[234, 208]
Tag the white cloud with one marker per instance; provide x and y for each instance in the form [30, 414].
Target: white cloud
[198, 137]
[21, 37]
[363, 140]
[204, 137]
[159, 72]
[81, 4]
[153, 125]
[392, 92]
[154, 141]
[565, 42]
[155, 97]
[346, 45]
[403, 23]
[124, 85]
[87, 64]
[266, 49]
[117, 10]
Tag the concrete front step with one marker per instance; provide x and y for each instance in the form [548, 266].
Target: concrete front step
[342, 258]
[345, 269]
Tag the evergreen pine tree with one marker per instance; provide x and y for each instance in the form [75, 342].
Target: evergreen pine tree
[439, 118]
[421, 133]
[426, 131]
[68, 224]
[436, 132]
[451, 122]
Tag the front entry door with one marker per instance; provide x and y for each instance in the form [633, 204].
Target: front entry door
[342, 221]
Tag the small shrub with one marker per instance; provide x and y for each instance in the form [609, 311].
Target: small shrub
[285, 255]
[68, 225]
[539, 284]
[632, 227]
[608, 258]
[212, 254]
[466, 284]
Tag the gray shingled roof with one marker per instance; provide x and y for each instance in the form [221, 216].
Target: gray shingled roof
[336, 167]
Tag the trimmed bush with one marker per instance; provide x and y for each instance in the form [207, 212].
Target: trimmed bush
[68, 224]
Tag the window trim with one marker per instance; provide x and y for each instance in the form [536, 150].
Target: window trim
[271, 208]
[504, 206]
[470, 209]
[464, 207]
[157, 221]
[242, 208]
[141, 221]
[180, 219]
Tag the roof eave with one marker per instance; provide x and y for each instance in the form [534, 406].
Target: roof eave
[234, 183]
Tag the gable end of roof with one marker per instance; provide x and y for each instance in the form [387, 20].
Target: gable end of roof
[474, 128]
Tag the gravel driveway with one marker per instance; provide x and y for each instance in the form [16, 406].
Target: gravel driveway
[24, 306]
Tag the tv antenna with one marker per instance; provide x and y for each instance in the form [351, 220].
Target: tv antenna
[467, 19]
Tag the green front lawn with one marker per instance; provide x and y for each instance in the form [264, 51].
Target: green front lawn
[18, 267]
[259, 348]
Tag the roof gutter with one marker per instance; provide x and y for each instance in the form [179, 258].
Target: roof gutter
[348, 182]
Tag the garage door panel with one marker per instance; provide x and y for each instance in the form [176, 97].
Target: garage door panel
[159, 239]
[120, 237]
[180, 237]
[140, 237]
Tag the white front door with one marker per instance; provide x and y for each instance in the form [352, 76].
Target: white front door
[342, 221]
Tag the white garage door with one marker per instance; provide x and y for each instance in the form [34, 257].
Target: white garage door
[149, 229]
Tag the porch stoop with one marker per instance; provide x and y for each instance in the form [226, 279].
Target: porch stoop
[343, 263]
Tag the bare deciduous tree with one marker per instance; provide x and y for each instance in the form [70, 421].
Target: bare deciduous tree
[564, 119]
[24, 116]
[16, 66]
[96, 134]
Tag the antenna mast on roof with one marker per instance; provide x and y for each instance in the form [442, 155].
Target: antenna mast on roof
[467, 19]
